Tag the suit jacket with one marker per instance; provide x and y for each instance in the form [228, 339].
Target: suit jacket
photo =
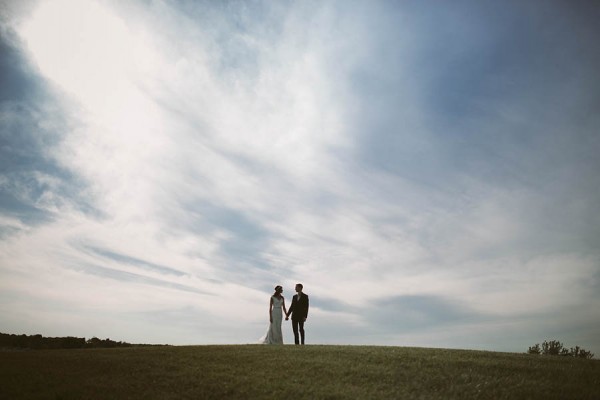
[299, 308]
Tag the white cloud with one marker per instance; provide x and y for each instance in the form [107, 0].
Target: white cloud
[224, 152]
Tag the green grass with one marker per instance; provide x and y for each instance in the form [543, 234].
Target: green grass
[309, 372]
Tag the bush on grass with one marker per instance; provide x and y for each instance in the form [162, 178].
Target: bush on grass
[556, 348]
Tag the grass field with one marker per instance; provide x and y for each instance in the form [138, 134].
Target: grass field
[291, 372]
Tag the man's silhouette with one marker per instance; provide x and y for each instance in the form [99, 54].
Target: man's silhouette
[299, 312]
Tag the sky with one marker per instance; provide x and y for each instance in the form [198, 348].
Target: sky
[428, 170]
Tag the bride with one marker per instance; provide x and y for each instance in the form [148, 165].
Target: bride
[274, 335]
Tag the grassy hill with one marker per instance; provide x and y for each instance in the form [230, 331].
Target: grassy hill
[291, 372]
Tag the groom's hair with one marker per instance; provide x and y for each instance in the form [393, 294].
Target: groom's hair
[299, 284]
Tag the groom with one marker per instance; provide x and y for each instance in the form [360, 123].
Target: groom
[299, 311]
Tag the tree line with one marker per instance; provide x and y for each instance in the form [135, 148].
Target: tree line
[39, 342]
[556, 348]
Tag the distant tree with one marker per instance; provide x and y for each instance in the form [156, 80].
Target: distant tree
[69, 342]
[36, 342]
[534, 349]
[552, 348]
[106, 343]
[93, 342]
[581, 353]
[556, 348]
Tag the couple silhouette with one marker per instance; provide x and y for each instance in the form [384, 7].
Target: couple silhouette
[298, 310]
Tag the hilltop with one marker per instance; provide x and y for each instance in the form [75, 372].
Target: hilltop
[308, 372]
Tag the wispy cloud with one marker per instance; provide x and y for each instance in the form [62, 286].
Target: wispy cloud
[429, 172]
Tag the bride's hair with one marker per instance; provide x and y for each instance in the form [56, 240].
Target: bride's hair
[278, 287]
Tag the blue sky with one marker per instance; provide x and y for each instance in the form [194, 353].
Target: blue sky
[428, 170]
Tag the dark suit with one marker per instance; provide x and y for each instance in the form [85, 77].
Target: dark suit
[299, 311]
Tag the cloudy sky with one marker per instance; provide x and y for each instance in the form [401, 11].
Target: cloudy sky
[428, 170]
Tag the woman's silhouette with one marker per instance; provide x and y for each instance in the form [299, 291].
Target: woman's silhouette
[277, 303]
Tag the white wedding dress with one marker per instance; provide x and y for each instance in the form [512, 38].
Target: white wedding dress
[274, 335]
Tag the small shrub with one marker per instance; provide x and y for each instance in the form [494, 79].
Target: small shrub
[581, 353]
[552, 348]
[556, 348]
[534, 349]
